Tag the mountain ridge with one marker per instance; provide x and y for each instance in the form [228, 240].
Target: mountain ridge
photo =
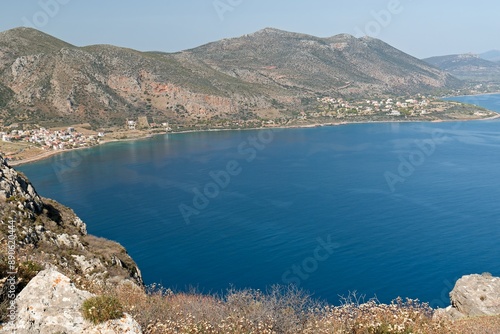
[336, 51]
[467, 66]
[263, 75]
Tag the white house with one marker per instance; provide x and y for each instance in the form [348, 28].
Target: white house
[394, 113]
[131, 125]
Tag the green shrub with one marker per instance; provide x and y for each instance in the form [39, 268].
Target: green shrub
[102, 308]
[26, 272]
[29, 269]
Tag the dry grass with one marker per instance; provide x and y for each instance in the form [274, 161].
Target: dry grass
[19, 150]
[280, 310]
[284, 310]
[102, 308]
[479, 325]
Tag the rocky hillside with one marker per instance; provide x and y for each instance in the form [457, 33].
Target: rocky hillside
[468, 67]
[340, 64]
[50, 82]
[43, 233]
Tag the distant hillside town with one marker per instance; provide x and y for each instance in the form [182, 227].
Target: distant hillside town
[52, 139]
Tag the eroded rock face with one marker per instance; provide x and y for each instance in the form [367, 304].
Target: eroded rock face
[473, 295]
[51, 303]
[16, 188]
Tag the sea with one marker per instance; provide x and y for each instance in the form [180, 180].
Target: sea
[385, 209]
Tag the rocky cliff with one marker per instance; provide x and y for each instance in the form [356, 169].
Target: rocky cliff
[267, 74]
[16, 189]
[37, 232]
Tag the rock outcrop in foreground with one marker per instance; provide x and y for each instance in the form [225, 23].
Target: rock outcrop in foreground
[51, 303]
[473, 295]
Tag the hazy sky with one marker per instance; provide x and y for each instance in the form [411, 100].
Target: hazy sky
[422, 28]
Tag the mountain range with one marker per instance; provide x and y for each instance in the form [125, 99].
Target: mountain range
[268, 74]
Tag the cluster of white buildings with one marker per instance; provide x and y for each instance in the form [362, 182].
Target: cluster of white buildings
[143, 123]
[391, 107]
[53, 140]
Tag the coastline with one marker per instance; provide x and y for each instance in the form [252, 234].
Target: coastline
[471, 95]
[48, 154]
[39, 157]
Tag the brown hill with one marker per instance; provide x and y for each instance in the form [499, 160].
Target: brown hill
[50, 82]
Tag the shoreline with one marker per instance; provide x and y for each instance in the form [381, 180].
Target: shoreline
[48, 154]
[470, 95]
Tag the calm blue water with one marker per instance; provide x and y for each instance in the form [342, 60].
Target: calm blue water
[491, 102]
[405, 209]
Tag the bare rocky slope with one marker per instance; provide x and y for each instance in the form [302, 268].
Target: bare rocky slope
[50, 82]
[340, 64]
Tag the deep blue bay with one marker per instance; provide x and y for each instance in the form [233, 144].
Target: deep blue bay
[387, 209]
[488, 101]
